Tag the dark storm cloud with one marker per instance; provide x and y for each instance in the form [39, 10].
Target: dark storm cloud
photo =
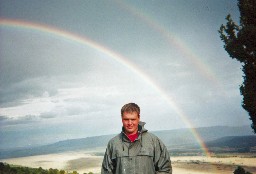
[16, 93]
[29, 65]
[38, 53]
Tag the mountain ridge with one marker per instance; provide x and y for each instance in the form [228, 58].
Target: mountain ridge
[171, 138]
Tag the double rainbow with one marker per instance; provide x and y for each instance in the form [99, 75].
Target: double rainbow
[124, 61]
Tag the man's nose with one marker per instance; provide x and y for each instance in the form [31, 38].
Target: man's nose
[130, 121]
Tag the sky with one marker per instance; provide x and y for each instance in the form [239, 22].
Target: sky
[67, 67]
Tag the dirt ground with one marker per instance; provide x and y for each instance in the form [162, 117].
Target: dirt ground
[212, 165]
[85, 162]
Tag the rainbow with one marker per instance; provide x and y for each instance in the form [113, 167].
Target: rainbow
[173, 41]
[111, 54]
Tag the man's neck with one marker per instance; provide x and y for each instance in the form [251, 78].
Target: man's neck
[133, 136]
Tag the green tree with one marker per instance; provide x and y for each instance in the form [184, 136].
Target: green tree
[53, 171]
[240, 170]
[62, 172]
[240, 43]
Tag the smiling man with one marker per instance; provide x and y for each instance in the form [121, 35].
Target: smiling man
[135, 150]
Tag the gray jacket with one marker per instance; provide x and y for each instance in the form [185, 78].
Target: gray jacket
[146, 155]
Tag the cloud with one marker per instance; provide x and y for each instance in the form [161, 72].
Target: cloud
[39, 64]
[40, 68]
[3, 118]
[29, 88]
[47, 115]
[80, 102]
[28, 119]
[38, 54]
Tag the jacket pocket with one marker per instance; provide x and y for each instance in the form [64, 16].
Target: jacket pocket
[146, 152]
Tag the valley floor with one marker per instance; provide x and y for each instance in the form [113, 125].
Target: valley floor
[86, 161]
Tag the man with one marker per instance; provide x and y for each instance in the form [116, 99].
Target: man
[135, 150]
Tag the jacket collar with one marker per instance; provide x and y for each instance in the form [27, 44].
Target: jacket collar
[141, 130]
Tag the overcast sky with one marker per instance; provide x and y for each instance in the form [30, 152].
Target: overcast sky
[67, 67]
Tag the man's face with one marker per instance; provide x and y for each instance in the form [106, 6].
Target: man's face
[130, 122]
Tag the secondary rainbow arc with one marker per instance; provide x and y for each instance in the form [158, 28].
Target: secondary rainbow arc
[173, 41]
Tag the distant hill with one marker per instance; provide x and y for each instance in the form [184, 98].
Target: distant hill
[233, 143]
[172, 139]
[61, 146]
[185, 136]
